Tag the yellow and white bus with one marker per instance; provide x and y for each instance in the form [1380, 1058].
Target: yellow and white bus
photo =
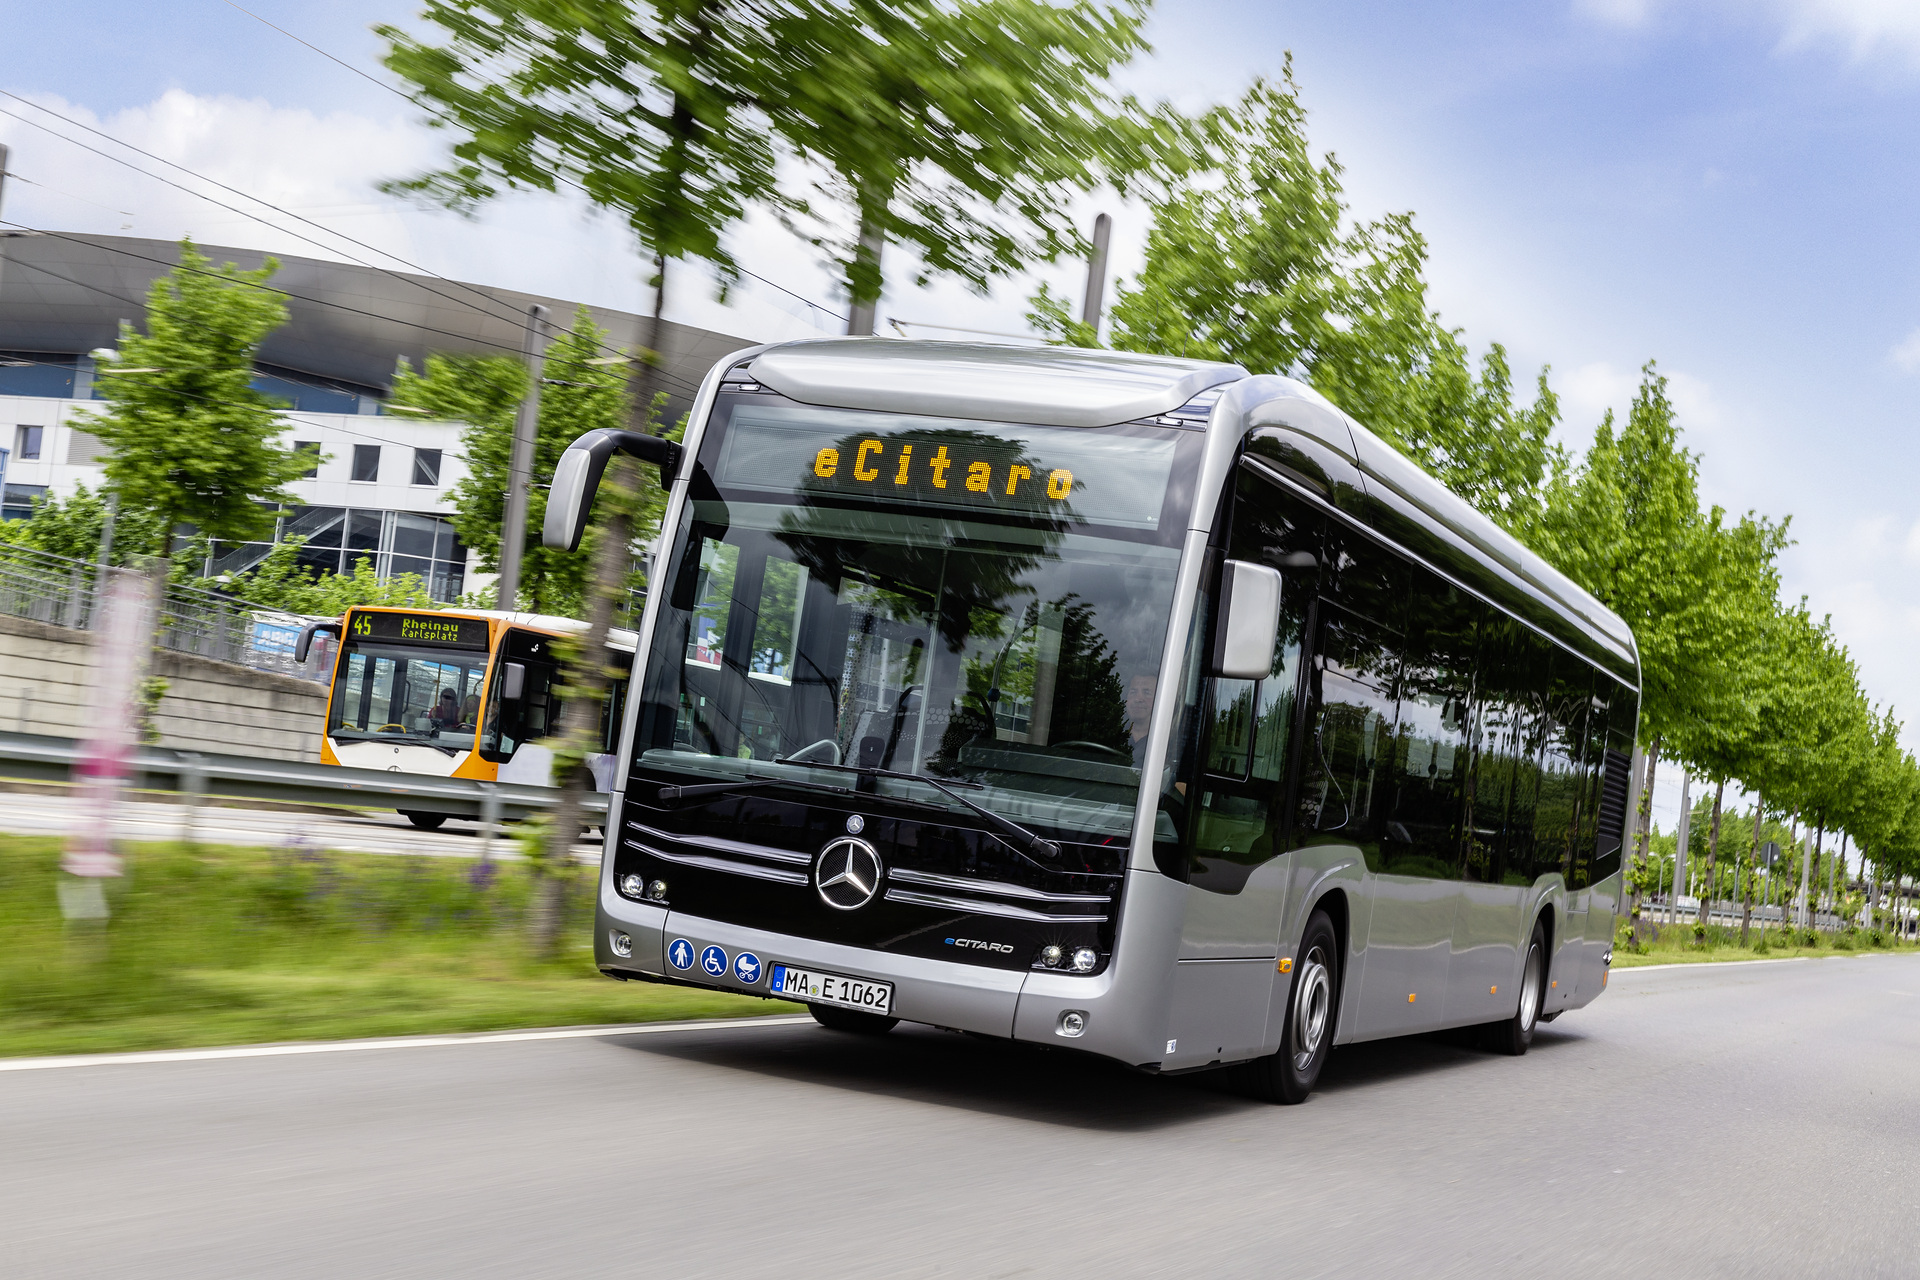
[468, 694]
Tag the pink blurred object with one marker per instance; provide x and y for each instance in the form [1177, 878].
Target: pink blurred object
[122, 640]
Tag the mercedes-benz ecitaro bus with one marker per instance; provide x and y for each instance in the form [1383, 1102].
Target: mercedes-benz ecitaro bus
[1108, 702]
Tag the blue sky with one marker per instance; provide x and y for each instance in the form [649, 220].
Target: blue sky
[1728, 187]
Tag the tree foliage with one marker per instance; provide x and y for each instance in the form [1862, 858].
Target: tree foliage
[190, 440]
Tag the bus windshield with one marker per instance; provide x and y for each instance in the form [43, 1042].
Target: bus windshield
[403, 693]
[981, 604]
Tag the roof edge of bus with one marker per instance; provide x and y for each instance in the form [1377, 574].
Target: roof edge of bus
[1000, 382]
[617, 637]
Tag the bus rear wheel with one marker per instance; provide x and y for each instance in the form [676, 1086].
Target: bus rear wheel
[1307, 1039]
[1515, 1034]
[860, 1024]
[424, 821]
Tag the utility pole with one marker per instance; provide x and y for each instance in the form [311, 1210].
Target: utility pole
[526, 426]
[1097, 274]
[1806, 869]
[860, 316]
[1680, 848]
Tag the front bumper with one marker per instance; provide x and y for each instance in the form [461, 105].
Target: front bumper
[1120, 1019]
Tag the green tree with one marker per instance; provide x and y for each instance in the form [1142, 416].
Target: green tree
[1265, 269]
[583, 392]
[190, 440]
[960, 128]
[73, 527]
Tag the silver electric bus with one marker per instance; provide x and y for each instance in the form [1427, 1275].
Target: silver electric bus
[1110, 702]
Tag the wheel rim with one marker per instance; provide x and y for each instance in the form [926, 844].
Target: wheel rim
[1530, 989]
[1312, 1008]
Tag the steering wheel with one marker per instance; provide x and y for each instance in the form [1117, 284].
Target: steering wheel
[391, 728]
[1099, 746]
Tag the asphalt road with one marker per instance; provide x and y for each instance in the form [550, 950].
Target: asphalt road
[373, 831]
[1750, 1120]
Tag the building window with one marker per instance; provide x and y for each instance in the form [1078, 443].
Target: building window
[366, 462]
[16, 501]
[312, 449]
[27, 443]
[426, 466]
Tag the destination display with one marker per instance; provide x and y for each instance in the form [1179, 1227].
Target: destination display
[420, 628]
[1068, 475]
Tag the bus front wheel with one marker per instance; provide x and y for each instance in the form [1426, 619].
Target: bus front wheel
[1307, 1039]
[863, 1024]
[424, 821]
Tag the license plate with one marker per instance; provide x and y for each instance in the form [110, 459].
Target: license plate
[832, 988]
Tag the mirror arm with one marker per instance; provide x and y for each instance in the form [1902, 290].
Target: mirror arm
[304, 645]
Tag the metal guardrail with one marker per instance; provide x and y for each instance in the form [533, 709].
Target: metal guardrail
[32, 755]
[61, 592]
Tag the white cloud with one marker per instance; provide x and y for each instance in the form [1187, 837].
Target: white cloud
[1864, 27]
[1616, 13]
[1907, 353]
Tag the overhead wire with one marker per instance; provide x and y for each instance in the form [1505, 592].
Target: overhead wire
[444, 118]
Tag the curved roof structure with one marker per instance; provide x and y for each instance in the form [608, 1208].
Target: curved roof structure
[68, 293]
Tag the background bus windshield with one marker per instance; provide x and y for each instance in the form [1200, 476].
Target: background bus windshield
[405, 693]
[1018, 653]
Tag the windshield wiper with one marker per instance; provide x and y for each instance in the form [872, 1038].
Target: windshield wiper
[673, 791]
[1009, 830]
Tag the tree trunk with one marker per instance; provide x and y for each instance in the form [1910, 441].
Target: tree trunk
[1713, 851]
[586, 691]
[1645, 818]
[1746, 889]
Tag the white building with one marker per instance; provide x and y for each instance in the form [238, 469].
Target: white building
[382, 488]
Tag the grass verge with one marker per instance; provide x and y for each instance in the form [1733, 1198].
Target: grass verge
[1676, 944]
[214, 945]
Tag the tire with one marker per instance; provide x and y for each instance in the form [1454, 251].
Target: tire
[1515, 1034]
[424, 821]
[1306, 1040]
[851, 1020]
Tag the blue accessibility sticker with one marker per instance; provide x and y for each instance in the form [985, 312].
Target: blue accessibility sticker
[680, 954]
[746, 967]
[714, 961]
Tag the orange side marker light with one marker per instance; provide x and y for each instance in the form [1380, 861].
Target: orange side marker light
[1410, 997]
[1493, 991]
[1286, 964]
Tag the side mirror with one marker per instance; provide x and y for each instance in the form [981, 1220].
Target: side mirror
[514, 681]
[1249, 621]
[304, 645]
[577, 478]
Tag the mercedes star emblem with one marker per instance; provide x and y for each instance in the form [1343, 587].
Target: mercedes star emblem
[847, 875]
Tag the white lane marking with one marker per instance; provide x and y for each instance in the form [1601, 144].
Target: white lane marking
[398, 1042]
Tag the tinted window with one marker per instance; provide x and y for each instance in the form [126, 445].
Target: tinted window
[426, 466]
[1514, 669]
[1562, 816]
[1247, 725]
[1431, 760]
[366, 462]
[311, 448]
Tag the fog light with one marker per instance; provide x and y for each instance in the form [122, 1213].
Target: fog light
[632, 886]
[622, 944]
[1084, 959]
[1073, 1023]
[1051, 957]
[657, 891]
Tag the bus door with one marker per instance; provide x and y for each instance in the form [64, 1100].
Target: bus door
[523, 707]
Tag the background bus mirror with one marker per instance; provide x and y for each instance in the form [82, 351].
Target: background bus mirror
[577, 478]
[304, 645]
[513, 681]
[1249, 621]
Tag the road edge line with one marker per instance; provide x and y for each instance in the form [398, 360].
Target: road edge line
[293, 1049]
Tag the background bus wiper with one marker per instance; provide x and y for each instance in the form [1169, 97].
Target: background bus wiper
[1009, 830]
[674, 791]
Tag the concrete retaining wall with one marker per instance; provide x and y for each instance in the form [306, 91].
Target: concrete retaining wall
[209, 706]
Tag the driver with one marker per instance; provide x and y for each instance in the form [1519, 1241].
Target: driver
[446, 715]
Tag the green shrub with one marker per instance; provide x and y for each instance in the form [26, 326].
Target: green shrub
[1843, 941]
[1699, 935]
[1875, 938]
[1761, 946]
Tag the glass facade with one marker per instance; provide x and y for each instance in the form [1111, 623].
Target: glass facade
[337, 539]
[16, 500]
